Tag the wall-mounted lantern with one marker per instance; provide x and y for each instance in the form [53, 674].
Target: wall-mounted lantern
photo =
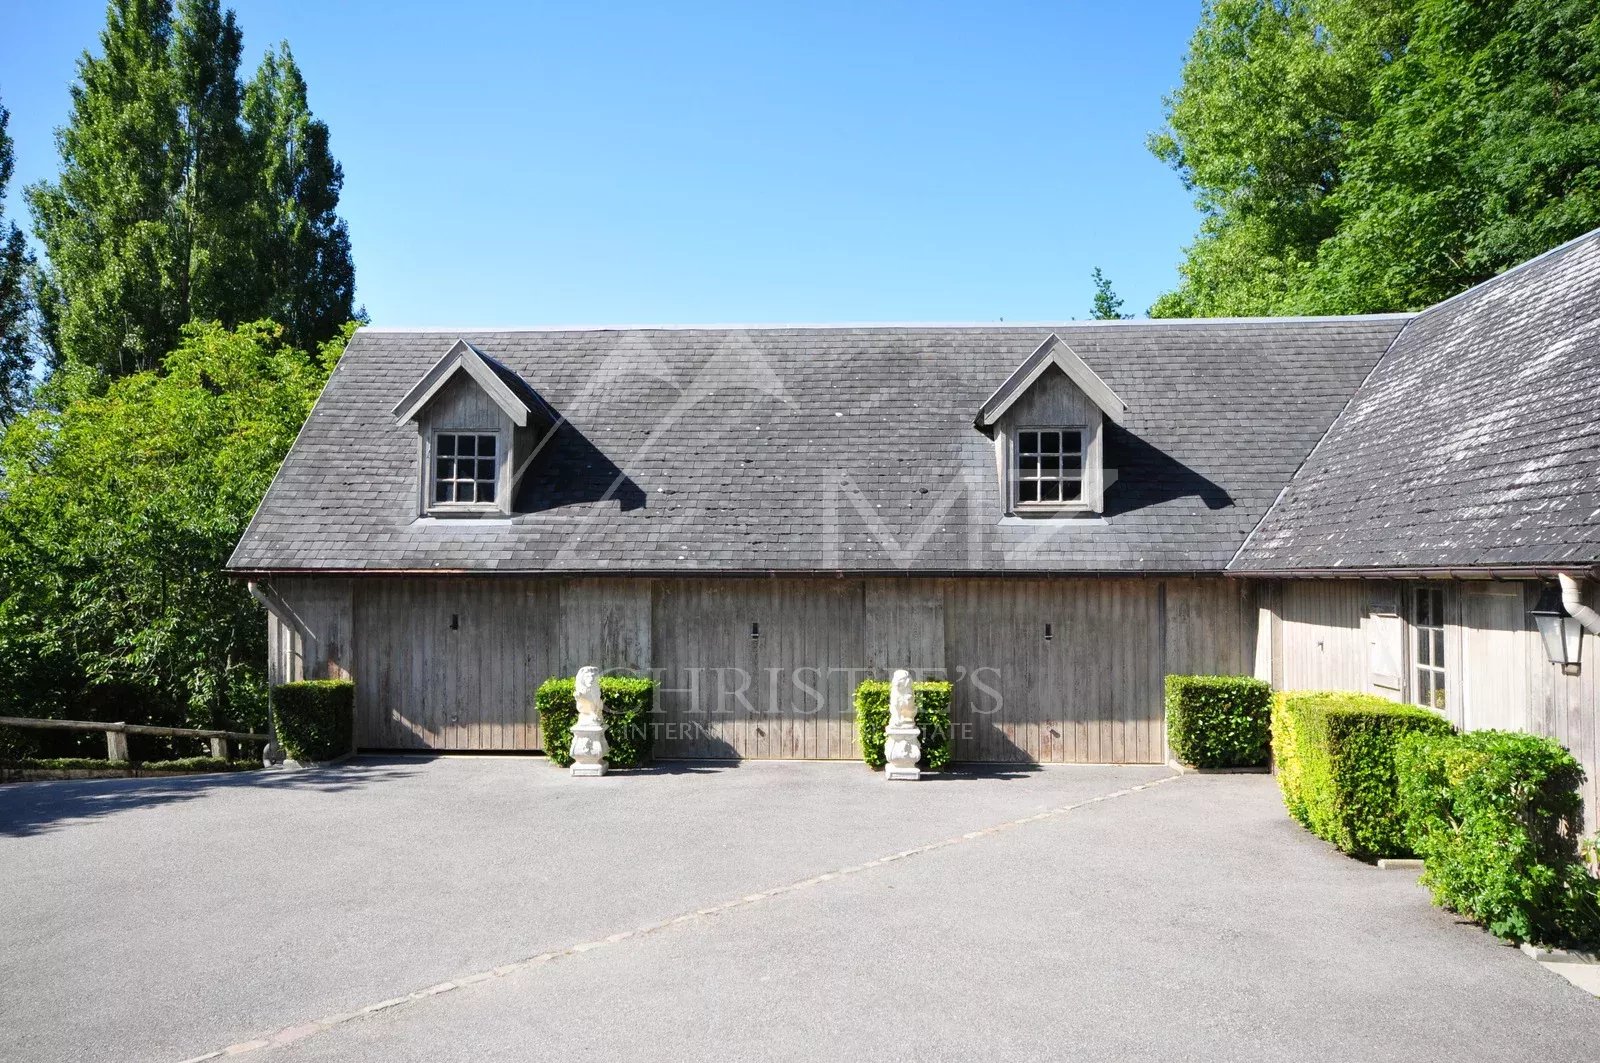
[1562, 634]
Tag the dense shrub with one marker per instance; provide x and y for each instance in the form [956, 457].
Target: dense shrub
[315, 718]
[1495, 817]
[932, 699]
[91, 763]
[1335, 756]
[628, 701]
[198, 764]
[119, 506]
[48, 767]
[1219, 721]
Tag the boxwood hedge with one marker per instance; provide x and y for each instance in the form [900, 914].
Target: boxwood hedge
[1219, 721]
[315, 718]
[1335, 753]
[1495, 817]
[932, 698]
[628, 702]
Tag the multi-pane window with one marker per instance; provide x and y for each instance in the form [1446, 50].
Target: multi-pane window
[464, 467]
[1049, 465]
[1427, 626]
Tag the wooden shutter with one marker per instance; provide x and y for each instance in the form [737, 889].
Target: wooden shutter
[1386, 642]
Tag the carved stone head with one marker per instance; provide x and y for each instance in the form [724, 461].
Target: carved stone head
[586, 691]
[902, 701]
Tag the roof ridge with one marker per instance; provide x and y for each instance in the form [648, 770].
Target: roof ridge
[1511, 271]
[1162, 322]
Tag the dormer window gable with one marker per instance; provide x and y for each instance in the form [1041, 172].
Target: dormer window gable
[1048, 423]
[477, 423]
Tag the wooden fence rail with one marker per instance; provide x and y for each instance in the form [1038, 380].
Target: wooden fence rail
[117, 734]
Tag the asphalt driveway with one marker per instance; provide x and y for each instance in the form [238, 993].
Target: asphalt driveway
[493, 909]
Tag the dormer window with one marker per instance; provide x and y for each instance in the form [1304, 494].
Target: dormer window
[1048, 471]
[478, 426]
[466, 468]
[1048, 424]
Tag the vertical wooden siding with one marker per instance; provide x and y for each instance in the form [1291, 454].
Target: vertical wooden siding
[423, 683]
[1497, 674]
[1323, 645]
[1493, 670]
[783, 695]
[1091, 693]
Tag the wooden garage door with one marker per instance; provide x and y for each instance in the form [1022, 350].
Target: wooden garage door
[451, 664]
[784, 694]
[1089, 693]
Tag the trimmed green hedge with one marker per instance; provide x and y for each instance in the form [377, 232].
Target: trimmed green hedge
[932, 699]
[1495, 817]
[315, 718]
[195, 764]
[1219, 721]
[1335, 755]
[628, 701]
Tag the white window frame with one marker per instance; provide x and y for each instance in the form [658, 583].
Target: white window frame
[431, 480]
[1014, 465]
[1429, 682]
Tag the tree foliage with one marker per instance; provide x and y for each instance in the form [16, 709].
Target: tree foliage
[170, 206]
[303, 259]
[15, 301]
[1363, 155]
[120, 508]
[1107, 303]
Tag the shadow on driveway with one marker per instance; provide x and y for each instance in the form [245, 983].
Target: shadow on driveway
[30, 808]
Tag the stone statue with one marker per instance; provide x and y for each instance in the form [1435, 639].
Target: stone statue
[589, 747]
[902, 742]
[902, 701]
[586, 692]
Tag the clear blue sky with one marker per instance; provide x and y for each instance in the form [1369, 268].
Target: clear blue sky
[527, 164]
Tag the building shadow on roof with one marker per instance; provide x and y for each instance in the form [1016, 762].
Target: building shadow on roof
[1148, 476]
[570, 470]
[30, 808]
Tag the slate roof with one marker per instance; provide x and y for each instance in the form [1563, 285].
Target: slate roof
[1475, 444]
[817, 449]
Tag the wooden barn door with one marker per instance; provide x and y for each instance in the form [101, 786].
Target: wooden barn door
[452, 664]
[1056, 671]
[758, 669]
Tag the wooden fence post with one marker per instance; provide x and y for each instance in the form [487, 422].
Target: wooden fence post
[219, 747]
[117, 745]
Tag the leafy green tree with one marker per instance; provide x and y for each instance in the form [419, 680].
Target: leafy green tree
[304, 252]
[169, 209]
[1484, 151]
[122, 504]
[1107, 303]
[213, 231]
[16, 358]
[1362, 155]
[113, 295]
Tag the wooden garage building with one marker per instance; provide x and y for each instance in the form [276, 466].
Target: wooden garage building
[1053, 516]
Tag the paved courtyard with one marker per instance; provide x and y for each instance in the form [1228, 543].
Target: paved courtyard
[762, 911]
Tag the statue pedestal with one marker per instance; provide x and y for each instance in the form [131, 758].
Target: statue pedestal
[589, 749]
[902, 748]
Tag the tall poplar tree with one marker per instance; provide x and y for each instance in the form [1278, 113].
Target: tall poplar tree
[115, 287]
[304, 248]
[171, 207]
[15, 303]
[213, 230]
